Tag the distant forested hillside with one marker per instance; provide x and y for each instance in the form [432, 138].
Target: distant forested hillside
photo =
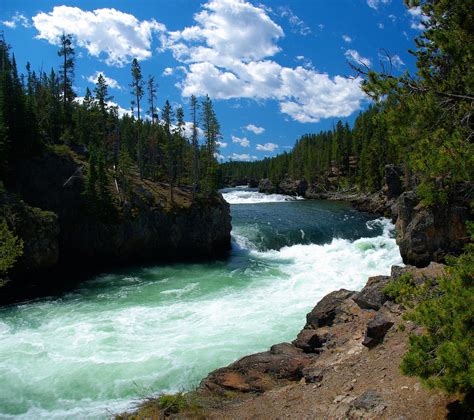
[341, 157]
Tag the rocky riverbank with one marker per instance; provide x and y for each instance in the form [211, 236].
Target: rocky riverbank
[344, 363]
[46, 208]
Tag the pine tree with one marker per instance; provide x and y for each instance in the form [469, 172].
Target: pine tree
[66, 51]
[137, 92]
[152, 91]
[167, 117]
[195, 144]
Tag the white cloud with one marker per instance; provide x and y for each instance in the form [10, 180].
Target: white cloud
[297, 24]
[17, 18]
[111, 83]
[228, 63]
[374, 4]
[218, 156]
[417, 18]
[254, 129]
[347, 38]
[222, 144]
[244, 142]
[397, 62]
[380, 25]
[121, 111]
[244, 156]
[354, 56]
[267, 147]
[393, 18]
[168, 71]
[110, 34]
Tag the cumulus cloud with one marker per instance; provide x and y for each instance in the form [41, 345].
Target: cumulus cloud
[111, 83]
[121, 111]
[267, 147]
[17, 19]
[228, 63]
[110, 34]
[347, 38]
[396, 61]
[354, 56]
[374, 4]
[417, 18]
[244, 142]
[222, 144]
[243, 156]
[297, 24]
[254, 129]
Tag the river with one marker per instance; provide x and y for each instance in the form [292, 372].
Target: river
[127, 334]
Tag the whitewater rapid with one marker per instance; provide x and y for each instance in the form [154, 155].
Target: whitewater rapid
[243, 195]
[123, 335]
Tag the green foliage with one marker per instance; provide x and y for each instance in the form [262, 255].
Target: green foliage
[408, 291]
[172, 403]
[430, 115]
[339, 158]
[11, 248]
[443, 356]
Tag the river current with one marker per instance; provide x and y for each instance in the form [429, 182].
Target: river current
[122, 335]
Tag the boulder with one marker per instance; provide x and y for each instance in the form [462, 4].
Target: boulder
[312, 375]
[326, 311]
[309, 341]
[393, 181]
[259, 372]
[372, 295]
[266, 186]
[376, 330]
[367, 401]
[293, 187]
[429, 233]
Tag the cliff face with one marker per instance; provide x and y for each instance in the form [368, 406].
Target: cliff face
[144, 228]
[430, 233]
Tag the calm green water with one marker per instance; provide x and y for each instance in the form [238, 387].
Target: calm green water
[126, 334]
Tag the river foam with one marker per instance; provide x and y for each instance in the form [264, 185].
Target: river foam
[246, 196]
[161, 329]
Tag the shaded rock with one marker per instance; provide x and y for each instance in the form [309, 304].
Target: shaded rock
[430, 233]
[325, 312]
[266, 186]
[376, 330]
[39, 231]
[368, 401]
[314, 192]
[309, 341]
[143, 229]
[312, 375]
[393, 181]
[372, 296]
[293, 187]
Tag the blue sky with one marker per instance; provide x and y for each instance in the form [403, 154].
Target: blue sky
[275, 69]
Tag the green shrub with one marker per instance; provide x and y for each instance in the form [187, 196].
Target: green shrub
[172, 403]
[443, 356]
[11, 248]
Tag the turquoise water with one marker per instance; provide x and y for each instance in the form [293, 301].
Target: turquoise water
[126, 334]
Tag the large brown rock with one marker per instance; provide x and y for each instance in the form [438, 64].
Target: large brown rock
[372, 295]
[326, 311]
[429, 233]
[259, 372]
[266, 186]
